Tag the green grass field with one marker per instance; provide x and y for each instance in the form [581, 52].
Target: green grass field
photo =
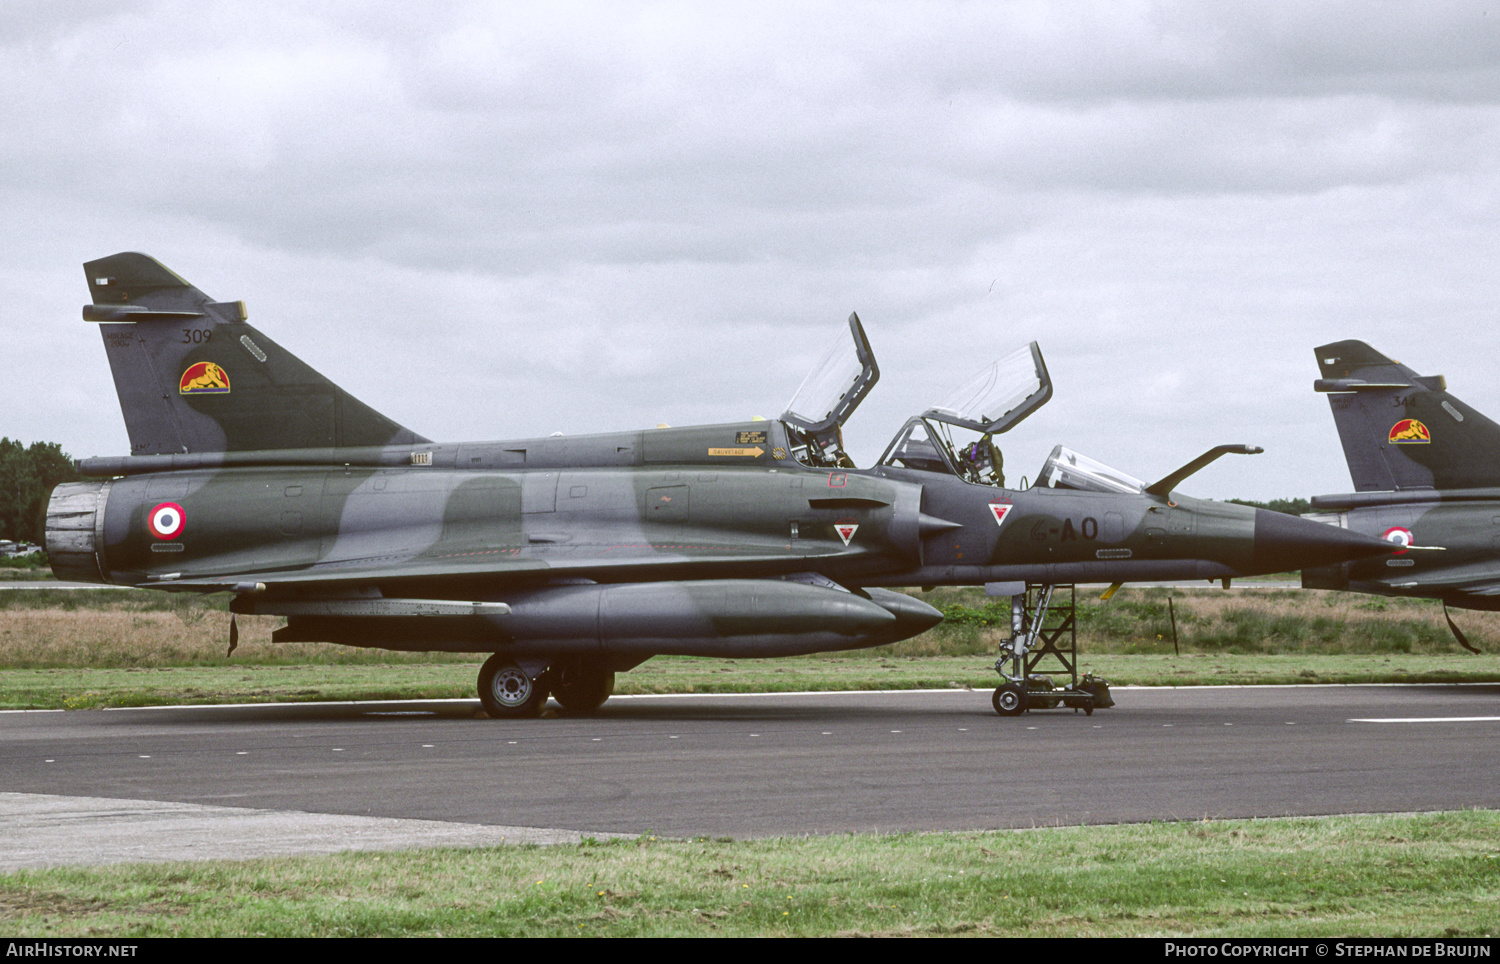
[65, 649]
[1434, 875]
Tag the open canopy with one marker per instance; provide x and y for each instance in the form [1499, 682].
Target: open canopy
[834, 388]
[828, 396]
[999, 396]
[994, 400]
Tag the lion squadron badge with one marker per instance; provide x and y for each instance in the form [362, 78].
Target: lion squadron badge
[204, 378]
[1409, 431]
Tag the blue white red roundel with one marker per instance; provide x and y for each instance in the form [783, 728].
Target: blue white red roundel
[166, 520]
[1400, 535]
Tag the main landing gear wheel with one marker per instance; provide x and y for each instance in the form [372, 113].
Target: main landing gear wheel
[581, 688]
[1009, 700]
[507, 692]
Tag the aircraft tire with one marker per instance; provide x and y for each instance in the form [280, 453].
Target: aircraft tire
[507, 692]
[581, 687]
[1009, 700]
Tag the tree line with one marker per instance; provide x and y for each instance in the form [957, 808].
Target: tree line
[1289, 506]
[28, 474]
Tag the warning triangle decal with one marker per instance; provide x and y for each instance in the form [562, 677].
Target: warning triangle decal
[846, 531]
[1001, 510]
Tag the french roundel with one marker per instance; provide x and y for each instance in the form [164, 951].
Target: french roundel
[165, 521]
[1400, 535]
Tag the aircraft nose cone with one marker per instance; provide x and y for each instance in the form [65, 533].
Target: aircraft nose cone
[1285, 542]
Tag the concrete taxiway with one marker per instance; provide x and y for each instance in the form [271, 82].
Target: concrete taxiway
[315, 777]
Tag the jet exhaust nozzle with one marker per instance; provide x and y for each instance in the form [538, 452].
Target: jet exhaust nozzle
[75, 515]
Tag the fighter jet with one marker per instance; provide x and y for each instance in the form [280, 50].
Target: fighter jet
[571, 559]
[1426, 473]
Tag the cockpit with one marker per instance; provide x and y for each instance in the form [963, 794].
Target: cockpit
[954, 437]
[957, 435]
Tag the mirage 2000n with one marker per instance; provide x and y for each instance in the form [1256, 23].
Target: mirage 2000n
[571, 559]
[1426, 473]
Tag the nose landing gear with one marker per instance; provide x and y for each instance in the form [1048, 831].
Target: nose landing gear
[1040, 630]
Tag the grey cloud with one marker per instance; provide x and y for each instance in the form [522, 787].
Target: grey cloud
[498, 220]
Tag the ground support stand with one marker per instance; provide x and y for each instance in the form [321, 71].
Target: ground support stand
[1044, 636]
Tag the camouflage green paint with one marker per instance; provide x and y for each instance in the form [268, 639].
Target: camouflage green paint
[253, 474]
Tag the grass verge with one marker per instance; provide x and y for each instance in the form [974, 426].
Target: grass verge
[1429, 875]
[66, 649]
[318, 682]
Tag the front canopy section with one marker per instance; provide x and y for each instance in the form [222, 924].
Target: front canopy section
[829, 395]
[995, 400]
[1066, 469]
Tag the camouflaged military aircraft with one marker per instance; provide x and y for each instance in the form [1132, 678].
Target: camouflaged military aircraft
[572, 559]
[1426, 472]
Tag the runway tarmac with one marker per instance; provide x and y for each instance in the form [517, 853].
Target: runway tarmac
[128, 784]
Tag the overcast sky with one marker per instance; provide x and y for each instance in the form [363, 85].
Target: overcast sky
[507, 220]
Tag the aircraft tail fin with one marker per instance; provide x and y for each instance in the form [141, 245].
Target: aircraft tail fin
[1401, 430]
[193, 376]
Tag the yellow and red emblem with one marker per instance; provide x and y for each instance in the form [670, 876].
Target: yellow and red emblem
[204, 378]
[1409, 431]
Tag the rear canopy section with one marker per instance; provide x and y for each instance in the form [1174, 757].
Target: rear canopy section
[993, 401]
[828, 396]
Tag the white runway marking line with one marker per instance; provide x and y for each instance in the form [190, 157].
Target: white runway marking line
[1433, 719]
